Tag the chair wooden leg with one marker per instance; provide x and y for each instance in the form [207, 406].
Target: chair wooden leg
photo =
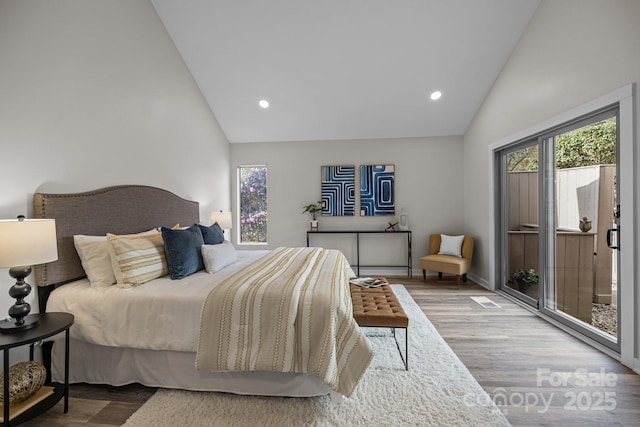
[464, 277]
[458, 282]
[424, 275]
[439, 275]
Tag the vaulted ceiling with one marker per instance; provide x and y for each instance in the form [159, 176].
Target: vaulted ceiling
[344, 69]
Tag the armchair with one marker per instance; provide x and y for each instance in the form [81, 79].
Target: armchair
[449, 264]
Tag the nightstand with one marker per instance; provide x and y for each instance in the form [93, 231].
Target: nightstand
[49, 324]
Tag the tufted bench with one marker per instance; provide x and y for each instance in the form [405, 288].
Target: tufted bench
[379, 307]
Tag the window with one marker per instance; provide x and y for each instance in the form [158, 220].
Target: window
[252, 200]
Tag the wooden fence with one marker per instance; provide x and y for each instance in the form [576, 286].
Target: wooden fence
[585, 191]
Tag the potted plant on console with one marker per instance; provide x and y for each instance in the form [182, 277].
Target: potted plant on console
[313, 209]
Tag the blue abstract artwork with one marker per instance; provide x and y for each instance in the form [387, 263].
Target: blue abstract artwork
[377, 190]
[338, 190]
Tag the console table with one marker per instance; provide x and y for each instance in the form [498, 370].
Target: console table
[357, 233]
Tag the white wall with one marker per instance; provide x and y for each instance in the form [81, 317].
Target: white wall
[93, 94]
[572, 52]
[428, 186]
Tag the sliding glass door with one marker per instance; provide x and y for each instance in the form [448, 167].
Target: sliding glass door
[581, 278]
[559, 210]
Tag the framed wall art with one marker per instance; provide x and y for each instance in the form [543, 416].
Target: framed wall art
[338, 190]
[377, 190]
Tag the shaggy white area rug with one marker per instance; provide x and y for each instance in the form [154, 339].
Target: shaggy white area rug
[438, 390]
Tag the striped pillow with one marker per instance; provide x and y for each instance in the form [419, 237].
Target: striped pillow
[137, 258]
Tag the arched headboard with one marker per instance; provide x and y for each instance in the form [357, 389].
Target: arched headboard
[123, 209]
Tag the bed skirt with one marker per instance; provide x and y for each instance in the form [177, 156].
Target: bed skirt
[170, 369]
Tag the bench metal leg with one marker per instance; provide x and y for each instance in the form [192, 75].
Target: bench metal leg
[405, 358]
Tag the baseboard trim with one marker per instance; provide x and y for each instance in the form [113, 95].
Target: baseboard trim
[480, 281]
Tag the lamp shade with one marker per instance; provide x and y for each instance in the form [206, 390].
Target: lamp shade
[27, 242]
[222, 218]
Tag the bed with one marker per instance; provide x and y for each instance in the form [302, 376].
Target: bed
[199, 332]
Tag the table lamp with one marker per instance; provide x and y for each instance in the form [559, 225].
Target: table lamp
[222, 218]
[23, 243]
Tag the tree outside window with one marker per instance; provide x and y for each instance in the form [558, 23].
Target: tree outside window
[253, 204]
[590, 145]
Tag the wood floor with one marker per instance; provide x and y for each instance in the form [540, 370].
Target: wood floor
[536, 373]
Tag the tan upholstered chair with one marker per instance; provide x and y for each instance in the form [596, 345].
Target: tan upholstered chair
[447, 263]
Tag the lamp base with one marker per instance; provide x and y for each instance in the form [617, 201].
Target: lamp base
[9, 326]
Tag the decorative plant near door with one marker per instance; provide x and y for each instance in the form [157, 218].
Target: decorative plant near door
[525, 279]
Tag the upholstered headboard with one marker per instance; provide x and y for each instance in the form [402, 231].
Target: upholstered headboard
[121, 209]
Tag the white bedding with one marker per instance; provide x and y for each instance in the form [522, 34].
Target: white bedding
[171, 369]
[117, 317]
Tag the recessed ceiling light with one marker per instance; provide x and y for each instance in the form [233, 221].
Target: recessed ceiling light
[436, 95]
[263, 103]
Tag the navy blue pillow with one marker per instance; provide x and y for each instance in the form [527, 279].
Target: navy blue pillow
[182, 249]
[212, 235]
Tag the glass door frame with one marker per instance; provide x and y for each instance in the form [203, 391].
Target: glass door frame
[503, 220]
[628, 187]
[548, 226]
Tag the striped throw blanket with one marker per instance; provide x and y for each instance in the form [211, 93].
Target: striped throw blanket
[290, 311]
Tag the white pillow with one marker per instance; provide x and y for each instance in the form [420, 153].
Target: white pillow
[451, 245]
[96, 261]
[216, 257]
